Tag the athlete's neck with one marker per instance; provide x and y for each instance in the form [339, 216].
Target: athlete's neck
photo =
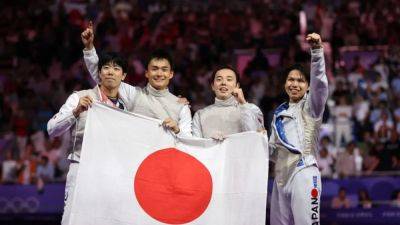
[113, 93]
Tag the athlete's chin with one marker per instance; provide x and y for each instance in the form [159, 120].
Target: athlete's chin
[158, 86]
[223, 96]
[295, 98]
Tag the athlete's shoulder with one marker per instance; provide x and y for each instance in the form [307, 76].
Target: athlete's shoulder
[82, 93]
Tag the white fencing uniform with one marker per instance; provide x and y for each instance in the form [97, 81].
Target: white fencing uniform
[226, 117]
[293, 144]
[65, 121]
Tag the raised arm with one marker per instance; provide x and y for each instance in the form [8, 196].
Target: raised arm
[318, 94]
[126, 91]
[89, 53]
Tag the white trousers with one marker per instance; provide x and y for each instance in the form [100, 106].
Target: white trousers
[297, 202]
[342, 130]
[69, 192]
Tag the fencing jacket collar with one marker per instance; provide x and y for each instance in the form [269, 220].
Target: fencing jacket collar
[156, 93]
[280, 113]
[227, 102]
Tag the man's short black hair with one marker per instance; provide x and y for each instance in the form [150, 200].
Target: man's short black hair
[300, 68]
[160, 54]
[113, 57]
[228, 68]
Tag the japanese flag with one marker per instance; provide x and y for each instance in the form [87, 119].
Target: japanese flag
[133, 172]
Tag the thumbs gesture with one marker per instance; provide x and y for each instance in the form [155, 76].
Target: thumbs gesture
[314, 40]
[238, 94]
[88, 36]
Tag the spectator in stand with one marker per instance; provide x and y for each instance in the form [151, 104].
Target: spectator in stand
[27, 166]
[383, 128]
[325, 163]
[349, 162]
[9, 169]
[343, 124]
[43, 114]
[383, 158]
[341, 201]
[45, 170]
[20, 123]
[54, 153]
[366, 143]
[377, 109]
[327, 144]
[360, 111]
[364, 201]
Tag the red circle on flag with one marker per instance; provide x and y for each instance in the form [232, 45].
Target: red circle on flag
[314, 193]
[172, 186]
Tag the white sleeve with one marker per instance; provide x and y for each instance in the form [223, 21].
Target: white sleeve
[91, 61]
[251, 117]
[185, 121]
[318, 83]
[64, 119]
[126, 91]
[196, 129]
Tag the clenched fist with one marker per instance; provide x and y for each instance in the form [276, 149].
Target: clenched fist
[238, 94]
[171, 124]
[314, 40]
[84, 103]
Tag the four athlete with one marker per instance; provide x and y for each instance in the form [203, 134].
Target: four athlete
[295, 126]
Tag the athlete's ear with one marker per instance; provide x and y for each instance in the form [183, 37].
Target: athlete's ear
[237, 85]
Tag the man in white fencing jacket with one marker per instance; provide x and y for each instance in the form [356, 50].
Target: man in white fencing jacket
[293, 143]
[72, 116]
[230, 113]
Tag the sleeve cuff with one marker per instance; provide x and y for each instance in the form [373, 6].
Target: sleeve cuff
[245, 106]
[89, 52]
[317, 51]
[70, 117]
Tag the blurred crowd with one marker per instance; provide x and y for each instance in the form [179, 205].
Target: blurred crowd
[41, 64]
[363, 200]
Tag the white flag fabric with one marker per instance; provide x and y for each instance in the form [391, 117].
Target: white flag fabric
[134, 172]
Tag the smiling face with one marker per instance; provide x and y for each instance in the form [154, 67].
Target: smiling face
[224, 83]
[111, 75]
[159, 73]
[296, 85]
